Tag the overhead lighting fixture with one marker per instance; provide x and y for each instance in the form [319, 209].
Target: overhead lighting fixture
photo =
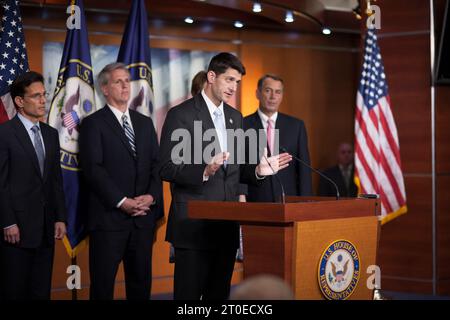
[189, 20]
[289, 17]
[326, 31]
[257, 7]
[238, 24]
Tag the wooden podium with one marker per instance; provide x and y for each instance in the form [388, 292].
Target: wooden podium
[288, 240]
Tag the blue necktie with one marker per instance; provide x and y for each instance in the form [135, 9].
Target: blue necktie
[37, 142]
[129, 134]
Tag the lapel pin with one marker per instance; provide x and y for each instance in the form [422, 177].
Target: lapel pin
[231, 120]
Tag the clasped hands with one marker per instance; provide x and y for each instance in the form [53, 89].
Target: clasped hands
[266, 167]
[137, 206]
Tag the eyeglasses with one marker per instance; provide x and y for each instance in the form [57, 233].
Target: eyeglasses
[37, 96]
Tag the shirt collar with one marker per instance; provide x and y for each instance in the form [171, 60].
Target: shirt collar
[349, 168]
[28, 124]
[211, 106]
[265, 118]
[118, 114]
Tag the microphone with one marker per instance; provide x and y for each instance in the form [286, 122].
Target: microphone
[278, 179]
[315, 170]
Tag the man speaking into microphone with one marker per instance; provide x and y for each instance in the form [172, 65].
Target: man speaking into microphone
[296, 179]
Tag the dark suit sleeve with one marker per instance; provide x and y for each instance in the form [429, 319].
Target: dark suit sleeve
[155, 188]
[58, 190]
[304, 178]
[7, 216]
[181, 169]
[242, 189]
[91, 159]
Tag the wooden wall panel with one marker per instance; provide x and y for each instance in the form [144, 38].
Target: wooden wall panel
[404, 15]
[443, 130]
[407, 68]
[407, 285]
[443, 228]
[405, 243]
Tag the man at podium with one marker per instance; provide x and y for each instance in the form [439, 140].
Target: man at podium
[205, 250]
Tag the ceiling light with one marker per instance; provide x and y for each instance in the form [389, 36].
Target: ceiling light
[257, 7]
[326, 31]
[289, 17]
[189, 20]
[238, 24]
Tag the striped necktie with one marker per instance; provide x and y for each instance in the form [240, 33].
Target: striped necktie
[129, 134]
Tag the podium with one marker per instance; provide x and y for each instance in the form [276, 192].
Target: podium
[294, 240]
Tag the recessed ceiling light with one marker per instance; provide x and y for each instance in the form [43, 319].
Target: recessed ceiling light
[238, 24]
[189, 20]
[257, 7]
[289, 17]
[326, 31]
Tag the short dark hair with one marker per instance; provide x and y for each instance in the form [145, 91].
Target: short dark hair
[224, 60]
[267, 76]
[23, 81]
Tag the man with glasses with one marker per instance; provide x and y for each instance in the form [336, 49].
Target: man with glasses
[32, 208]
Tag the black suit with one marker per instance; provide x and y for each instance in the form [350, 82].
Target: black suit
[204, 250]
[112, 173]
[296, 178]
[32, 201]
[335, 174]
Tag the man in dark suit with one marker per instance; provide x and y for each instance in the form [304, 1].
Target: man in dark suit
[205, 250]
[283, 131]
[341, 174]
[119, 154]
[32, 208]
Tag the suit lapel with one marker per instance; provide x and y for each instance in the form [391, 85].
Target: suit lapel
[25, 141]
[231, 124]
[283, 135]
[115, 126]
[257, 124]
[203, 113]
[138, 137]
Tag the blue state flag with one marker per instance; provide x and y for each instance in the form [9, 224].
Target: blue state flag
[73, 100]
[135, 54]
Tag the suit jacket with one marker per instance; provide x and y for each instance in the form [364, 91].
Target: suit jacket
[186, 176]
[296, 178]
[327, 189]
[112, 172]
[32, 201]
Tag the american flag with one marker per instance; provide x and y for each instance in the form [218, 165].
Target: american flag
[71, 120]
[13, 55]
[377, 151]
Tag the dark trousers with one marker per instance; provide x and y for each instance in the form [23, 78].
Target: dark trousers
[26, 274]
[203, 275]
[107, 249]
